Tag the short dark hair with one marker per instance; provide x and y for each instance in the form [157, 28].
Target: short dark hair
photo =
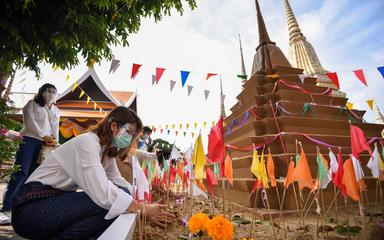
[147, 129]
[39, 99]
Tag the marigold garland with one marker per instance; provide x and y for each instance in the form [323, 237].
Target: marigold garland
[198, 222]
[219, 228]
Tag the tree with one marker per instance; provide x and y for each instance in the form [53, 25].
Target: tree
[55, 32]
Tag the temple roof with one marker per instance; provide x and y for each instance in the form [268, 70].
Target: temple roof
[72, 105]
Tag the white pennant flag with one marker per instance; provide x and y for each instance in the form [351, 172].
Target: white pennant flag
[333, 164]
[206, 93]
[373, 163]
[153, 79]
[173, 83]
[175, 154]
[302, 77]
[140, 181]
[189, 89]
[198, 192]
[189, 167]
[359, 174]
[114, 65]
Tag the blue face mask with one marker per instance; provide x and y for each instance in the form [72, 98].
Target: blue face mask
[122, 140]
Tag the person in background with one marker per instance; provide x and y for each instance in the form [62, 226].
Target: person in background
[49, 205]
[41, 126]
[145, 139]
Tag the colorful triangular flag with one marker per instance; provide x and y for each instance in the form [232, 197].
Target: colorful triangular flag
[184, 76]
[210, 75]
[360, 75]
[198, 158]
[206, 94]
[172, 84]
[370, 103]
[159, 73]
[114, 65]
[334, 79]
[189, 89]
[135, 70]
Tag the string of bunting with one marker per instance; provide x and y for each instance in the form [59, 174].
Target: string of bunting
[89, 99]
[312, 139]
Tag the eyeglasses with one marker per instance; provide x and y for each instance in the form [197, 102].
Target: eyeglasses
[129, 128]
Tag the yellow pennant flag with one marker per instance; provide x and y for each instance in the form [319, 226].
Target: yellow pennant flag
[205, 124]
[198, 159]
[82, 93]
[349, 105]
[187, 125]
[370, 103]
[213, 123]
[67, 77]
[193, 134]
[88, 99]
[181, 126]
[94, 105]
[75, 85]
[255, 166]
[263, 171]
[195, 124]
[173, 126]
[166, 126]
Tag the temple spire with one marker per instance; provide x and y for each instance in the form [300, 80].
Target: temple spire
[222, 108]
[243, 72]
[263, 34]
[293, 26]
[303, 55]
[267, 55]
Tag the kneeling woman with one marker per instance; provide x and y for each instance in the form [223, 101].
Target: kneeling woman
[49, 206]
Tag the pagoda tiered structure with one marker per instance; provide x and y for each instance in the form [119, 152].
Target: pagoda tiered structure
[275, 107]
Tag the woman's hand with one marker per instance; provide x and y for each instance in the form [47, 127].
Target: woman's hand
[49, 141]
[158, 215]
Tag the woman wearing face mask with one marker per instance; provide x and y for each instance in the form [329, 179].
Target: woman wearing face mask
[49, 205]
[41, 126]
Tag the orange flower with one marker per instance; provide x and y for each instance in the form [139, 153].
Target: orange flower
[219, 228]
[198, 222]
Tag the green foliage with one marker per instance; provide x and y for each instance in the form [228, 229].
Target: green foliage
[56, 31]
[8, 145]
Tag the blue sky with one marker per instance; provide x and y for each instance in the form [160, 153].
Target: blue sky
[346, 34]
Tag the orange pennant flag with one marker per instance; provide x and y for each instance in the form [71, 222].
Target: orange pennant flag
[289, 178]
[271, 169]
[228, 169]
[302, 174]
[349, 180]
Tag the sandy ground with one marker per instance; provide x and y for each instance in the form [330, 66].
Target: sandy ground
[289, 227]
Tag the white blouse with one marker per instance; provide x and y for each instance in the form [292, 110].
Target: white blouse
[40, 121]
[77, 164]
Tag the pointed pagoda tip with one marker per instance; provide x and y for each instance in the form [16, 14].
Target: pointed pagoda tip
[263, 34]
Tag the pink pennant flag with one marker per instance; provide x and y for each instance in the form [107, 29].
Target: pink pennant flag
[159, 73]
[360, 75]
[135, 70]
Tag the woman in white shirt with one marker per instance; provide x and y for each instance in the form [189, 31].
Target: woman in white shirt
[41, 126]
[49, 205]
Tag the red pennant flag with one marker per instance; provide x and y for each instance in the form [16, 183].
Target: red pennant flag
[211, 180]
[135, 69]
[358, 142]
[256, 185]
[161, 130]
[334, 79]
[148, 197]
[360, 75]
[338, 178]
[210, 75]
[216, 145]
[172, 173]
[159, 73]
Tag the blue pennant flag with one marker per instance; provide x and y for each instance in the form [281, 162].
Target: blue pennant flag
[184, 76]
[381, 70]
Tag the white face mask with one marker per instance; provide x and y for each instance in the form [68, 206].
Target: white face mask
[49, 97]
